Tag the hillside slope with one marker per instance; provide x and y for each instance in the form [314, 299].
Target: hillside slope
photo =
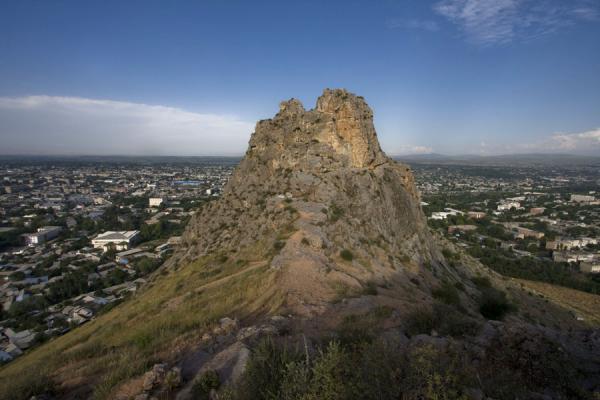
[318, 243]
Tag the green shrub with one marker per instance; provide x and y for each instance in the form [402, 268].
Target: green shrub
[421, 321]
[346, 255]
[447, 294]
[203, 385]
[382, 312]
[435, 374]
[449, 254]
[265, 371]
[335, 213]
[173, 380]
[296, 380]
[481, 282]
[370, 288]
[330, 374]
[373, 370]
[444, 319]
[493, 304]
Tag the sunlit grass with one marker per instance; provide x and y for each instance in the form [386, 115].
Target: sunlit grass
[178, 306]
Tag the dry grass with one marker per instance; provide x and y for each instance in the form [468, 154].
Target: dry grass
[128, 340]
[583, 304]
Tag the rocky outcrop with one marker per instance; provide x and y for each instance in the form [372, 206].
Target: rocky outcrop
[317, 183]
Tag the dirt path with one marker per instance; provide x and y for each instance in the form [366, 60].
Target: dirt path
[176, 301]
[250, 267]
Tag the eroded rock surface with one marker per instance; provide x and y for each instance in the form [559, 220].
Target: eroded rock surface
[318, 182]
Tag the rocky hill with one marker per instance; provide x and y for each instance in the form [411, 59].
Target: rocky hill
[314, 276]
[316, 186]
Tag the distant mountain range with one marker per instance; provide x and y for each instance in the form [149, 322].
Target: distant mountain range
[502, 160]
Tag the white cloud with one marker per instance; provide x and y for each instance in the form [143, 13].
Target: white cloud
[73, 125]
[409, 149]
[583, 141]
[419, 24]
[488, 22]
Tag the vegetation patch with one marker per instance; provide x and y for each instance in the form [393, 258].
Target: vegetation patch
[444, 319]
[360, 370]
[202, 386]
[493, 304]
[370, 288]
[346, 255]
[447, 294]
[278, 245]
[335, 212]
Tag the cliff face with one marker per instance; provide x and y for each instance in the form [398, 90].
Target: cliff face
[315, 183]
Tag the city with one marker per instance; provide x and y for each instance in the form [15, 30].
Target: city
[78, 237]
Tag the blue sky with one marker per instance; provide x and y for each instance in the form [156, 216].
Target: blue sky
[192, 77]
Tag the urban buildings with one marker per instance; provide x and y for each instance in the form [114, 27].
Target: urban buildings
[118, 240]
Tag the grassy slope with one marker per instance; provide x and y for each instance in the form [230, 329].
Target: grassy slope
[170, 314]
[586, 305]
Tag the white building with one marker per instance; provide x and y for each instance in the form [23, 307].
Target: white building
[568, 244]
[155, 201]
[580, 198]
[508, 205]
[592, 267]
[119, 240]
[42, 235]
[564, 256]
[444, 214]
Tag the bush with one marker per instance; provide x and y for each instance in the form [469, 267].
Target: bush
[493, 304]
[370, 288]
[330, 373]
[278, 245]
[346, 255]
[481, 282]
[447, 294]
[434, 374]
[375, 370]
[265, 371]
[147, 265]
[421, 321]
[203, 385]
[445, 320]
[335, 213]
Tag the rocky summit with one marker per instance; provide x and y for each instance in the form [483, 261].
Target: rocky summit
[316, 184]
[314, 276]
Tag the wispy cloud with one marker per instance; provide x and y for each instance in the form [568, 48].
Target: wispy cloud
[488, 22]
[411, 149]
[588, 140]
[74, 125]
[419, 24]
